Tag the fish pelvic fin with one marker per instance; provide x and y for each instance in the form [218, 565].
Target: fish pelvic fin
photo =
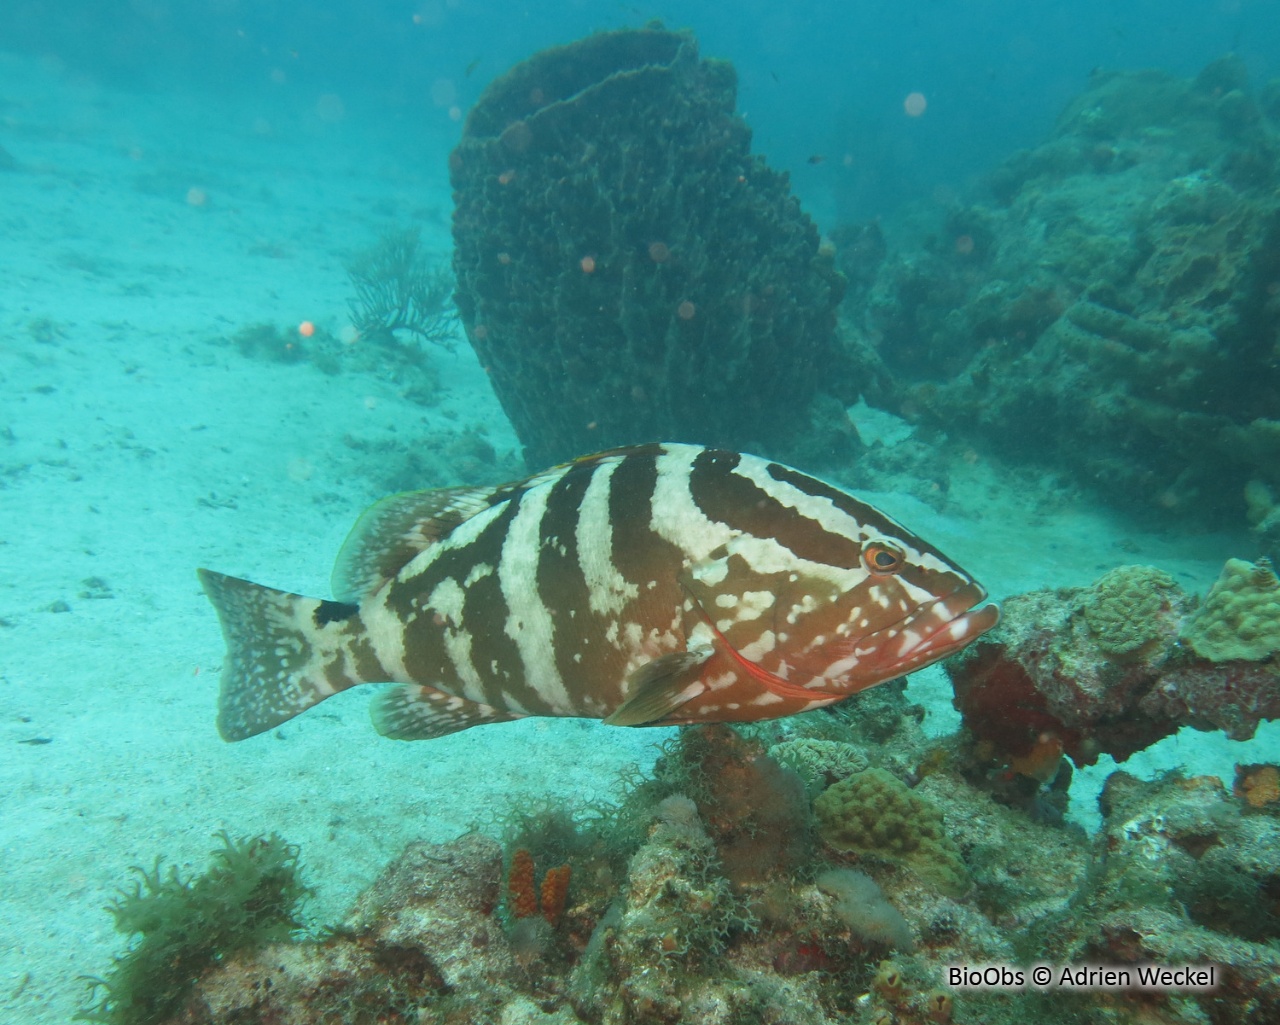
[285, 653]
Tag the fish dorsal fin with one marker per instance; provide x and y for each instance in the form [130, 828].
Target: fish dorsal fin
[392, 531]
[659, 687]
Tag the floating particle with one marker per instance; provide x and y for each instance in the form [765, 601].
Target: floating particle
[330, 108]
[686, 310]
[914, 104]
[443, 92]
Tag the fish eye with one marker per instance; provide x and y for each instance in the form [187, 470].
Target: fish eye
[881, 559]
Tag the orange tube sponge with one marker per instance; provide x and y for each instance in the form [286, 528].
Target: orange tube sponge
[523, 895]
[555, 890]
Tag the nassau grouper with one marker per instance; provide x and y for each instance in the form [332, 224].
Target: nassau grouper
[654, 585]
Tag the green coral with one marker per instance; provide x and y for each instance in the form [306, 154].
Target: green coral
[1240, 617]
[249, 896]
[873, 813]
[1125, 610]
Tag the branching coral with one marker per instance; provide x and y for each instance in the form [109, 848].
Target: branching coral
[398, 290]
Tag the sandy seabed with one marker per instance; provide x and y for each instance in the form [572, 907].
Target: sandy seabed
[139, 233]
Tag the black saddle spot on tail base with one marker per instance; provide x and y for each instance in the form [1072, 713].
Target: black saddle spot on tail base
[334, 612]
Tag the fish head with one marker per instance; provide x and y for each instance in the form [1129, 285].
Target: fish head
[873, 605]
[907, 606]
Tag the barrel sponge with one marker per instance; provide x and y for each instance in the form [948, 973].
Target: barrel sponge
[1128, 611]
[873, 813]
[627, 270]
[1240, 617]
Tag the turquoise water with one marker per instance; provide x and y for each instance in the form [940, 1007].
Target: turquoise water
[174, 179]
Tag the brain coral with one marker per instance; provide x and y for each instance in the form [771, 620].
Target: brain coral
[1128, 611]
[1240, 617]
[819, 762]
[873, 813]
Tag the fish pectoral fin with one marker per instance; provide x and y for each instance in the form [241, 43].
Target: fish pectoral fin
[411, 711]
[659, 687]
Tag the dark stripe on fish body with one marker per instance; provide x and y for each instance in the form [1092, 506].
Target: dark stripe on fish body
[639, 554]
[425, 656]
[333, 612]
[367, 664]
[740, 502]
[421, 631]
[867, 515]
[561, 585]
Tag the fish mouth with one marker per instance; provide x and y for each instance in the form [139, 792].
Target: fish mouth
[940, 628]
[934, 629]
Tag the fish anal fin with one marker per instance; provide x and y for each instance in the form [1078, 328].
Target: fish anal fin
[659, 687]
[391, 532]
[415, 712]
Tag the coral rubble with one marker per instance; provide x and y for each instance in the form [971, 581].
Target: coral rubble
[626, 269]
[657, 929]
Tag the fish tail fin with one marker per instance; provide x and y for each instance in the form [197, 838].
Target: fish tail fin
[285, 653]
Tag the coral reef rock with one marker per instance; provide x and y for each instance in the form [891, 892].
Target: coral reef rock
[1049, 672]
[1109, 305]
[423, 935]
[1187, 878]
[626, 269]
[1088, 671]
[1183, 872]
